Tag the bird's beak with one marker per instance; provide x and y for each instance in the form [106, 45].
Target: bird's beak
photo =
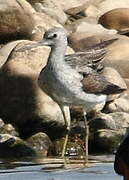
[43, 42]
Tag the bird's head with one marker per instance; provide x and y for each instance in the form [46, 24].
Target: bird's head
[53, 37]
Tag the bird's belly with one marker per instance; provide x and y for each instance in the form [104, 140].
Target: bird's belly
[72, 98]
[67, 92]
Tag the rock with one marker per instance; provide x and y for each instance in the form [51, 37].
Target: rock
[72, 3]
[114, 77]
[116, 19]
[118, 56]
[92, 29]
[25, 104]
[119, 105]
[103, 121]
[80, 41]
[107, 130]
[127, 82]
[1, 123]
[121, 120]
[41, 143]
[88, 35]
[107, 5]
[51, 9]
[43, 22]
[14, 147]
[92, 11]
[16, 20]
[8, 129]
[106, 141]
[114, 121]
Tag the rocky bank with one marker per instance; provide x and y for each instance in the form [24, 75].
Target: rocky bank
[31, 122]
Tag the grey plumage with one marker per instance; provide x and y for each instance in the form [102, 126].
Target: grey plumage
[71, 79]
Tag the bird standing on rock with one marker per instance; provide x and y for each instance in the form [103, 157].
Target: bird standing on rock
[69, 80]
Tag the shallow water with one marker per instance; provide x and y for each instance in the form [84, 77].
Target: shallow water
[56, 171]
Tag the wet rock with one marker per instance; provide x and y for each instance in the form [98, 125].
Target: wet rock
[8, 129]
[106, 140]
[115, 121]
[116, 19]
[1, 123]
[14, 147]
[107, 130]
[16, 20]
[103, 121]
[41, 143]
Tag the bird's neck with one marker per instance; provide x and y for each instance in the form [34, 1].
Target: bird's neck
[57, 54]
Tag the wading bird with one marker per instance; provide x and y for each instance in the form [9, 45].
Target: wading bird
[73, 80]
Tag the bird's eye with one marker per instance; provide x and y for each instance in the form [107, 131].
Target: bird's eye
[54, 35]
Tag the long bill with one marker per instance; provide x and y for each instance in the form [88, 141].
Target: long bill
[43, 42]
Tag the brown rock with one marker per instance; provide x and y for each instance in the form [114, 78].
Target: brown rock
[121, 104]
[116, 19]
[16, 20]
[51, 9]
[87, 33]
[43, 22]
[23, 103]
[114, 77]
[118, 56]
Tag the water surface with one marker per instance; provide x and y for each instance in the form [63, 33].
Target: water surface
[52, 170]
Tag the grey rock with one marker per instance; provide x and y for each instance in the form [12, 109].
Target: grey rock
[41, 143]
[14, 147]
[106, 140]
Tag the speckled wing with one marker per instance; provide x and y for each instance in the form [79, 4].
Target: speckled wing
[92, 57]
[92, 82]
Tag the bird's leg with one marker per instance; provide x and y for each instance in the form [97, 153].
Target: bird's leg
[66, 114]
[86, 136]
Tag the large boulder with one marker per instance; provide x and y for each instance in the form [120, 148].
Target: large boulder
[107, 5]
[14, 147]
[51, 8]
[23, 103]
[16, 20]
[105, 141]
[107, 130]
[116, 19]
